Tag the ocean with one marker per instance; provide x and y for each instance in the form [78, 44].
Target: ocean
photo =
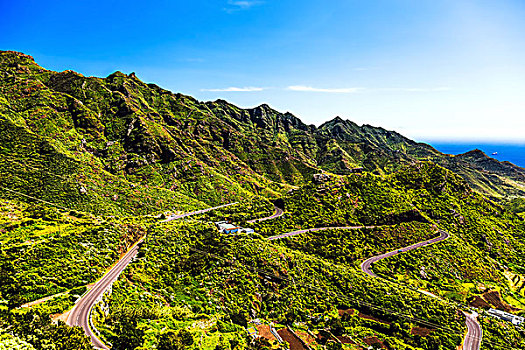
[514, 153]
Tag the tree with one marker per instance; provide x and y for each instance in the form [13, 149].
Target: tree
[129, 336]
[172, 340]
[186, 337]
[332, 345]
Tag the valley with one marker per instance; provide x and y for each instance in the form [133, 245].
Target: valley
[362, 238]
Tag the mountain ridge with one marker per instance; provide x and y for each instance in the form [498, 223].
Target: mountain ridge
[90, 167]
[131, 129]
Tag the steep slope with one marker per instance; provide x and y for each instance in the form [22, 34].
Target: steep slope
[31, 167]
[118, 147]
[189, 272]
[214, 151]
[487, 175]
[485, 251]
[106, 133]
[383, 151]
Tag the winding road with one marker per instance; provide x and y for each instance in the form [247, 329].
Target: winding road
[81, 312]
[174, 217]
[366, 266]
[474, 333]
[278, 212]
[80, 315]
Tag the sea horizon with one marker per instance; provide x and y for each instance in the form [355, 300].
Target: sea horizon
[511, 152]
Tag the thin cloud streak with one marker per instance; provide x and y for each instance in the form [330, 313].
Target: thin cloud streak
[236, 89]
[238, 5]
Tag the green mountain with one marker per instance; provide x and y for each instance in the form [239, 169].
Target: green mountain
[121, 130]
[89, 165]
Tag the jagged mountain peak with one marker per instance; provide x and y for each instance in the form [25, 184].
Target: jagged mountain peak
[16, 54]
[337, 119]
[265, 106]
[117, 74]
[151, 124]
[263, 109]
[475, 153]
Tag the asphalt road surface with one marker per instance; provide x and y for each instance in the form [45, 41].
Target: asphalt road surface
[80, 314]
[366, 266]
[278, 212]
[174, 217]
[474, 333]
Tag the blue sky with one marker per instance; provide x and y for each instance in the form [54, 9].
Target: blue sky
[432, 70]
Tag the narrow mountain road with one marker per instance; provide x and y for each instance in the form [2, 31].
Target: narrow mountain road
[174, 217]
[366, 266]
[278, 212]
[81, 313]
[298, 232]
[474, 333]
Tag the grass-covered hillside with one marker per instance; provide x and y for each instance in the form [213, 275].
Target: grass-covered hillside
[47, 252]
[213, 152]
[193, 287]
[91, 166]
[207, 288]
[486, 248]
[203, 285]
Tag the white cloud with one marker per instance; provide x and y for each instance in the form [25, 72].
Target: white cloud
[237, 5]
[236, 89]
[330, 90]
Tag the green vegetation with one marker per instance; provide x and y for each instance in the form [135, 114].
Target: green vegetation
[342, 201]
[487, 241]
[249, 208]
[499, 334]
[122, 130]
[351, 247]
[45, 252]
[516, 205]
[212, 285]
[33, 330]
[8, 342]
[88, 166]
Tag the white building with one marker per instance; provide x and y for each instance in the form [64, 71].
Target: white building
[226, 227]
[515, 320]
